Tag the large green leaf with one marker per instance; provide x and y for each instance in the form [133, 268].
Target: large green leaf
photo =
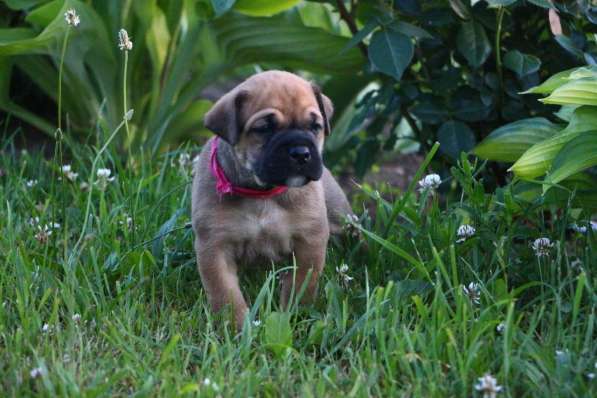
[509, 142]
[263, 8]
[278, 332]
[576, 92]
[561, 78]
[23, 41]
[284, 41]
[23, 4]
[552, 83]
[410, 30]
[10, 35]
[537, 160]
[521, 64]
[390, 52]
[473, 44]
[577, 155]
[455, 137]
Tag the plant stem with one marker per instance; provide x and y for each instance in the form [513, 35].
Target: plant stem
[498, 53]
[348, 18]
[64, 42]
[91, 173]
[126, 123]
[59, 137]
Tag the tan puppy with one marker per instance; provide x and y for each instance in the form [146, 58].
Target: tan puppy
[260, 190]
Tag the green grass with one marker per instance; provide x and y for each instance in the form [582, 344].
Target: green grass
[402, 327]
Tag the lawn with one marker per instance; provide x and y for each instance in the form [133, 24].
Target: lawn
[477, 279]
[101, 296]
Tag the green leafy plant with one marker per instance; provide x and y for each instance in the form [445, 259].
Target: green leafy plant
[179, 48]
[556, 153]
[451, 71]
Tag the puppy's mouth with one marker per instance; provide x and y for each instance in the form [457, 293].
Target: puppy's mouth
[289, 158]
[296, 181]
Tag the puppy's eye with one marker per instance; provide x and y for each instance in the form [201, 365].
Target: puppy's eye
[261, 127]
[265, 125]
[316, 127]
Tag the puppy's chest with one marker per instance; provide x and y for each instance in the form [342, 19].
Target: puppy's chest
[264, 231]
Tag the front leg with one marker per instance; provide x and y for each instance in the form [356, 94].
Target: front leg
[220, 281]
[310, 259]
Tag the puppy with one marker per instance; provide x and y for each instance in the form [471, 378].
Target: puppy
[260, 189]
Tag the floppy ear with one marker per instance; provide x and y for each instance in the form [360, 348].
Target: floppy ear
[224, 117]
[325, 107]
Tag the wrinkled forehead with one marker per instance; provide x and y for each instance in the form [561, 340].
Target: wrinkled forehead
[293, 98]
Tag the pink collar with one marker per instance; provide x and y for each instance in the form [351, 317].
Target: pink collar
[224, 186]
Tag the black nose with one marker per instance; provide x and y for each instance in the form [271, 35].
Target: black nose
[300, 154]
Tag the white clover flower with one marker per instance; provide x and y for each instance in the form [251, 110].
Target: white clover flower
[488, 386]
[256, 323]
[351, 226]
[473, 292]
[43, 235]
[352, 218]
[577, 263]
[208, 383]
[430, 182]
[43, 232]
[36, 372]
[31, 183]
[66, 358]
[46, 328]
[185, 164]
[124, 42]
[184, 160]
[541, 246]
[581, 229]
[590, 375]
[128, 221]
[343, 273]
[69, 173]
[103, 178]
[76, 318]
[464, 232]
[104, 173]
[500, 327]
[72, 18]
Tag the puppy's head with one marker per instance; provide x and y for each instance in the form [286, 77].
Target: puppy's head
[276, 123]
